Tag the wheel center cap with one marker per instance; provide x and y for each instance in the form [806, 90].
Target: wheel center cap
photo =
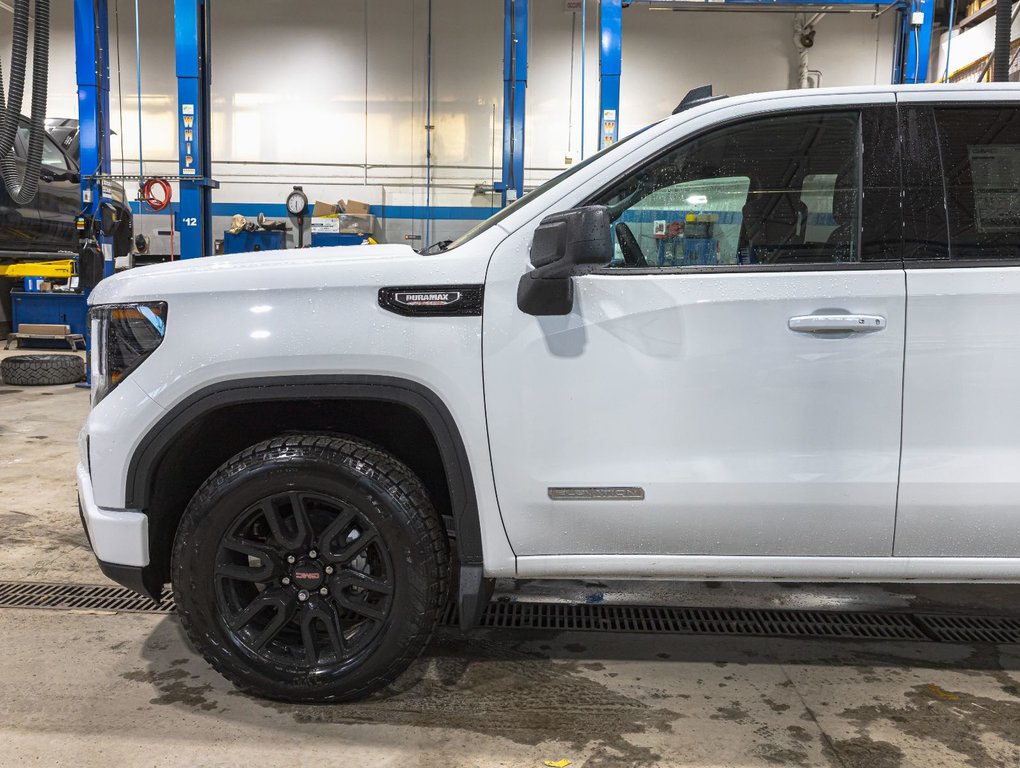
[308, 575]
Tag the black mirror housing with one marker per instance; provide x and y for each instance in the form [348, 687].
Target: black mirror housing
[566, 244]
[581, 236]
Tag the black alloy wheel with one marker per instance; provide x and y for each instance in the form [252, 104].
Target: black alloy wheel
[302, 579]
[311, 568]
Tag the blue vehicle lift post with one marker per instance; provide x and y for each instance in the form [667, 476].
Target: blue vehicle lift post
[610, 66]
[92, 71]
[915, 41]
[515, 84]
[192, 32]
[910, 56]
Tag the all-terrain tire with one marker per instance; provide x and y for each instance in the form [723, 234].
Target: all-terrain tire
[42, 370]
[315, 470]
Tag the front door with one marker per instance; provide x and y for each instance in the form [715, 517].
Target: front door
[731, 385]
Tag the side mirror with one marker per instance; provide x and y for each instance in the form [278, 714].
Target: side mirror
[50, 176]
[566, 244]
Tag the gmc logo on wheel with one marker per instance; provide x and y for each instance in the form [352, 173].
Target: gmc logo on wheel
[308, 575]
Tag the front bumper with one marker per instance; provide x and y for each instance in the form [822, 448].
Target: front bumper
[118, 537]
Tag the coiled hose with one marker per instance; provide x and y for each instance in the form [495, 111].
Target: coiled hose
[23, 191]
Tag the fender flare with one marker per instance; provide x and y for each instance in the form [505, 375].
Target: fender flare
[420, 399]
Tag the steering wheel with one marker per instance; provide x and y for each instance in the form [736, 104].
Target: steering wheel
[632, 255]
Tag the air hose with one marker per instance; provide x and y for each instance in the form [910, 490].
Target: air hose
[19, 58]
[152, 201]
[23, 191]
[1000, 51]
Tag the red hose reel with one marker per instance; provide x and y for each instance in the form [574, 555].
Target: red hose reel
[156, 194]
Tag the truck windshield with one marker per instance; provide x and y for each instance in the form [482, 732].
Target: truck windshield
[533, 194]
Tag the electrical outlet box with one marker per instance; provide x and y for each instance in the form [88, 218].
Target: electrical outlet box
[917, 18]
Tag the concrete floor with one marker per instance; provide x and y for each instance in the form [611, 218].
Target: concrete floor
[107, 689]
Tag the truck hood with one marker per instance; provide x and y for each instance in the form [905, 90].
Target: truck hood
[294, 269]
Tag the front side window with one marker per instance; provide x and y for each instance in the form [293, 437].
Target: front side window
[51, 155]
[980, 150]
[775, 191]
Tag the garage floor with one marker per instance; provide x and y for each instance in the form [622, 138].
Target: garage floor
[104, 688]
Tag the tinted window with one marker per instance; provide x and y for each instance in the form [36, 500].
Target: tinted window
[781, 190]
[980, 150]
[51, 155]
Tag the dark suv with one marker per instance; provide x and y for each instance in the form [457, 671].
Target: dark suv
[45, 228]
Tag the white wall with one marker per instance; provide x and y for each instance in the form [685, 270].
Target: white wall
[969, 46]
[330, 94]
[666, 53]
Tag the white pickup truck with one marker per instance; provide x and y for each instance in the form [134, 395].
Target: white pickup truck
[770, 337]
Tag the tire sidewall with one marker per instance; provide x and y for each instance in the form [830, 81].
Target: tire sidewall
[42, 370]
[212, 515]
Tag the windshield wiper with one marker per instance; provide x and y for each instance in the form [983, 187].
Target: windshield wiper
[437, 247]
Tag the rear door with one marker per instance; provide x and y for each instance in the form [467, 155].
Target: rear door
[960, 481]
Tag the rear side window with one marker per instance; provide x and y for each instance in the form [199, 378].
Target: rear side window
[773, 191]
[980, 149]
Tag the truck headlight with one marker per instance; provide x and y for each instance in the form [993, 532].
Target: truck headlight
[123, 335]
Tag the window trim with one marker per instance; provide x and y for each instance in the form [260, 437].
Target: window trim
[858, 110]
[960, 264]
[733, 269]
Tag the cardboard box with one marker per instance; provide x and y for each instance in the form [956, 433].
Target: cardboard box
[323, 209]
[357, 207]
[42, 329]
[325, 225]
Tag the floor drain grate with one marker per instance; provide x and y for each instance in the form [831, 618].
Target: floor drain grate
[602, 617]
[972, 629]
[707, 621]
[80, 597]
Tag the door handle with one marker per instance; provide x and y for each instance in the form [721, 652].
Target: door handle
[837, 323]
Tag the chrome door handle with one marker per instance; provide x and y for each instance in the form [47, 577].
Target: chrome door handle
[837, 323]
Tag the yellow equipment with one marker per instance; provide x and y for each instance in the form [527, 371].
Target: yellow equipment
[46, 269]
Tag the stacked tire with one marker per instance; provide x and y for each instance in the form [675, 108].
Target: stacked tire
[42, 370]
